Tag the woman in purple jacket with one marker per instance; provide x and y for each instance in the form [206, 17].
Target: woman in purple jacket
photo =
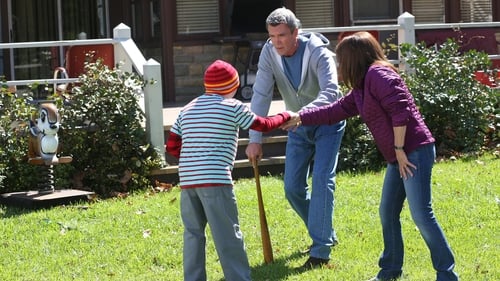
[380, 97]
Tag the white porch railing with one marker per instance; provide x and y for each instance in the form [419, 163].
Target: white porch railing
[127, 53]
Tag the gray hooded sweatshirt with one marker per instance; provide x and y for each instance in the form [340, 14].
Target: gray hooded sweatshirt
[318, 84]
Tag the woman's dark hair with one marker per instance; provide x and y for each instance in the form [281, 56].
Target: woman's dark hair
[355, 54]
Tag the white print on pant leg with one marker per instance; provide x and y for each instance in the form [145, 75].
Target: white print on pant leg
[237, 231]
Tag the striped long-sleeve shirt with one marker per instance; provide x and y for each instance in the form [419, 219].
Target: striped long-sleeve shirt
[208, 127]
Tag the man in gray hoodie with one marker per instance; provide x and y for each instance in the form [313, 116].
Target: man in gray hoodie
[305, 73]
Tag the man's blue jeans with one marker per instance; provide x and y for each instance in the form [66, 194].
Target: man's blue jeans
[417, 190]
[318, 144]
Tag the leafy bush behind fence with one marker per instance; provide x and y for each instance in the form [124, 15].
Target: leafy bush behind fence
[101, 130]
[461, 113]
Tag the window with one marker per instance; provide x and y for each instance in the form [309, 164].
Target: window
[249, 16]
[154, 11]
[476, 10]
[197, 16]
[34, 20]
[375, 11]
[315, 13]
[80, 19]
[223, 17]
[146, 20]
[428, 11]
[137, 20]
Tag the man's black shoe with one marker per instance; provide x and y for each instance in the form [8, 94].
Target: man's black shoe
[308, 249]
[313, 262]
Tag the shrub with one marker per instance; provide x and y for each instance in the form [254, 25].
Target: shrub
[457, 108]
[101, 129]
[104, 132]
[358, 151]
[15, 172]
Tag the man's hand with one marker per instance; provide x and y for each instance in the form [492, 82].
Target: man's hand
[254, 152]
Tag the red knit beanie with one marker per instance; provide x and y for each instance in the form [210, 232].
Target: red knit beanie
[221, 78]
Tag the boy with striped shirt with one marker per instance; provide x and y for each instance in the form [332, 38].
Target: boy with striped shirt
[204, 138]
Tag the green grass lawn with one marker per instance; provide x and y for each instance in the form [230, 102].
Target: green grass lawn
[140, 237]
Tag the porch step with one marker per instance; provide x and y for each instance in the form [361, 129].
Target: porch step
[274, 144]
[242, 163]
[273, 163]
[242, 169]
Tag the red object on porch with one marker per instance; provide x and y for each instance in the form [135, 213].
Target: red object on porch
[486, 78]
[76, 56]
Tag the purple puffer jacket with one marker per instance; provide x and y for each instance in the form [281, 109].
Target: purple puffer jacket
[384, 103]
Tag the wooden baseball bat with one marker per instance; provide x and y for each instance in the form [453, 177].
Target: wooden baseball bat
[264, 230]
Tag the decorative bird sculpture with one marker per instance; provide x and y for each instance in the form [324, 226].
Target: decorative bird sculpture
[44, 142]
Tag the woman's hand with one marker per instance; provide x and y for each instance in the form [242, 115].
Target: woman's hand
[293, 123]
[405, 166]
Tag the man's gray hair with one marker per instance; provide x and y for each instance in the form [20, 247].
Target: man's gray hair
[283, 16]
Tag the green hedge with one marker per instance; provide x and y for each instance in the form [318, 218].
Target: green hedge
[101, 131]
[461, 113]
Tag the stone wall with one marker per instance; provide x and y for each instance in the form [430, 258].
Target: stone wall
[190, 63]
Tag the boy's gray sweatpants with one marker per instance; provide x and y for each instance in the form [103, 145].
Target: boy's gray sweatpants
[217, 206]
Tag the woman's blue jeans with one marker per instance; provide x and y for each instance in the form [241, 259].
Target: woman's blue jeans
[417, 190]
[319, 145]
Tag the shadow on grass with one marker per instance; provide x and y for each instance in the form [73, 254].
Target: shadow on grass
[7, 211]
[279, 269]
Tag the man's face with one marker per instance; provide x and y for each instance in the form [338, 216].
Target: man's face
[284, 40]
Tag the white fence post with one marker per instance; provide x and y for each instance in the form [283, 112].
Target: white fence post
[130, 57]
[122, 33]
[153, 106]
[406, 34]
